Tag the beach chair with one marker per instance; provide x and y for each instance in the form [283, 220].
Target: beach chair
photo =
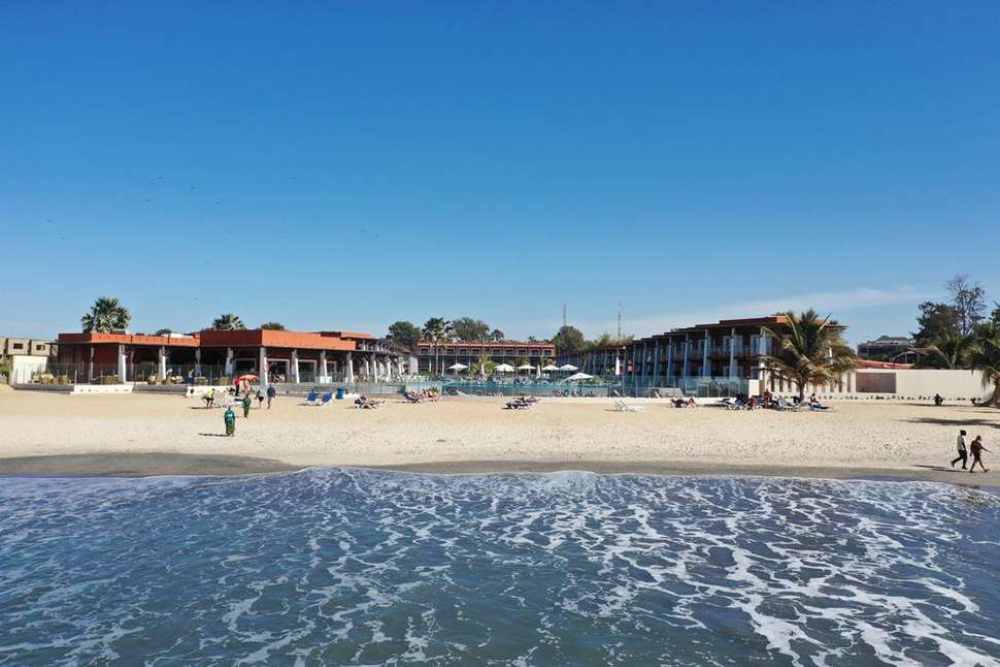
[412, 398]
[622, 406]
[312, 397]
[326, 399]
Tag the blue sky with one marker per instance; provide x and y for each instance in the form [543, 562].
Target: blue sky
[344, 166]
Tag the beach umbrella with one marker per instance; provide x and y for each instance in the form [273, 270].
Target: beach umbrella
[504, 368]
[525, 367]
[457, 367]
[249, 377]
[578, 376]
[550, 368]
[568, 368]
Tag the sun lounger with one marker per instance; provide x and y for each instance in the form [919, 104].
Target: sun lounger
[622, 406]
[412, 398]
[326, 399]
[312, 397]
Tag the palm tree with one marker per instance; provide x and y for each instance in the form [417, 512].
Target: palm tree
[437, 330]
[273, 326]
[811, 351]
[496, 335]
[228, 322]
[951, 350]
[106, 315]
[984, 356]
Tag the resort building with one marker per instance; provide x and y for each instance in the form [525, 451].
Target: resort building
[436, 359]
[728, 358]
[889, 348]
[207, 356]
[606, 361]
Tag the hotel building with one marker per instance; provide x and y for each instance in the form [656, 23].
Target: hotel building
[711, 359]
[435, 359]
[272, 355]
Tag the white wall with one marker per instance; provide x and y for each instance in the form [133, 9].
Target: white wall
[22, 367]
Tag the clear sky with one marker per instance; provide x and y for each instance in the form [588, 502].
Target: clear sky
[345, 165]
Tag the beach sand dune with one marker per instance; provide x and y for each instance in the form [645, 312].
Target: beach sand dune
[43, 433]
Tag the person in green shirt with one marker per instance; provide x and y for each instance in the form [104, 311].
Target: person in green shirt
[230, 418]
[246, 405]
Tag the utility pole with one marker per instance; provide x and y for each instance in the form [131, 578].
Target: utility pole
[564, 314]
[619, 320]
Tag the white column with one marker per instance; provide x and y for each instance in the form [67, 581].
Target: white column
[656, 362]
[262, 367]
[670, 359]
[162, 371]
[732, 353]
[197, 362]
[322, 365]
[706, 365]
[121, 364]
[229, 361]
[687, 347]
[294, 363]
[349, 369]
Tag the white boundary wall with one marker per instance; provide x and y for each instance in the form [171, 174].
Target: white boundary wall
[888, 383]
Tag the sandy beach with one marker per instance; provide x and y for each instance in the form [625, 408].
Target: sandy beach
[141, 434]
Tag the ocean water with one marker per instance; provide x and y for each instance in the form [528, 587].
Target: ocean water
[370, 568]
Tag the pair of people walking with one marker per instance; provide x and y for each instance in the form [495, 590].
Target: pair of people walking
[976, 449]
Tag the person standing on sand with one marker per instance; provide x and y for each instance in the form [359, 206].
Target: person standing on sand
[246, 405]
[963, 454]
[271, 393]
[977, 449]
[230, 418]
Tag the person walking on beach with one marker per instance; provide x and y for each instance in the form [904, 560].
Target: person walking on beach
[246, 405]
[230, 418]
[977, 449]
[963, 453]
[271, 393]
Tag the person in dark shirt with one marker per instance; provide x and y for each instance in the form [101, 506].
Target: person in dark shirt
[977, 449]
[963, 452]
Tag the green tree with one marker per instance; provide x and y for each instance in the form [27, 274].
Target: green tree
[228, 322]
[969, 301]
[984, 357]
[568, 340]
[497, 335]
[163, 332]
[995, 315]
[404, 333]
[437, 330]
[935, 322]
[273, 326]
[811, 350]
[469, 329]
[949, 351]
[484, 366]
[105, 316]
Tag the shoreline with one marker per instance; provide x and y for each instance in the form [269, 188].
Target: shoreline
[144, 435]
[164, 464]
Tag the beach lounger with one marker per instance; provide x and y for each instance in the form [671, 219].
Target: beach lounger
[326, 399]
[412, 398]
[622, 406]
[312, 397]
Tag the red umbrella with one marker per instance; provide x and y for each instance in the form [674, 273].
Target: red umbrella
[249, 377]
